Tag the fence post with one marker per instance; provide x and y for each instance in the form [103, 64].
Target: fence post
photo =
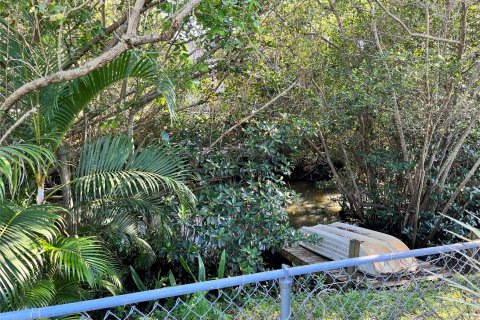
[285, 291]
[473, 236]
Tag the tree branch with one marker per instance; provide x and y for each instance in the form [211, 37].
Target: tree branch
[414, 34]
[396, 110]
[16, 124]
[129, 40]
[109, 30]
[136, 41]
[337, 177]
[253, 114]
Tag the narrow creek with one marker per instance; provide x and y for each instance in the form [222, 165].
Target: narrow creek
[315, 206]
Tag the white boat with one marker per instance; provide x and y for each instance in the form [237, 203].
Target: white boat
[334, 243]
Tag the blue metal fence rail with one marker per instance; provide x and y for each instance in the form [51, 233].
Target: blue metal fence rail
[284, 276]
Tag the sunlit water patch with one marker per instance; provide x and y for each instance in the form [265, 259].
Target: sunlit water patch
[315, 206]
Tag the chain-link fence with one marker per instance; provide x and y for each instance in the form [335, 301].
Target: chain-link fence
[433, 283]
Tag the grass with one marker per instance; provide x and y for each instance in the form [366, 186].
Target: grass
[425, 300]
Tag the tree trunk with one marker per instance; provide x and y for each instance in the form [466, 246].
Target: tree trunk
[65, 178]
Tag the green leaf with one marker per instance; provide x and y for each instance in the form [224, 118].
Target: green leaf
[171, 278]
[38, 294]
[221, 265]
[201, 269]
[187, 268]
[13, 160]
[62, 104]
[21, 232]
[107, 168]
[83, 259]
[472, 229]
[137, 280]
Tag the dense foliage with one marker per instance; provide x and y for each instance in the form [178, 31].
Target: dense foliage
[146, 143]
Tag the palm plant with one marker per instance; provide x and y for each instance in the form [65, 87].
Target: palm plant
[15, 160]
[39, 267]
[118, 191]
[113, 187]
[60, 104]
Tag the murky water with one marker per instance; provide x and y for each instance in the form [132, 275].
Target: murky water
[316, 206]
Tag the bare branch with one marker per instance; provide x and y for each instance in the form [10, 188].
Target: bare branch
[109, 30]
[62, 76]
[16, 124]
[250, 116]
[414, 34]
[463, 31]
[136, 41]
[134, 18]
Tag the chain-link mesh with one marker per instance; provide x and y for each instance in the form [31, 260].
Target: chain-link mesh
[252, 301]
[436, 287]
[441, 286]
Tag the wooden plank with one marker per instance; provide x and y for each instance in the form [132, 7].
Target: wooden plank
[301, 256]
[353, 252]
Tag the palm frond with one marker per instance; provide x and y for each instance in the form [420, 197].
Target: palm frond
[72, 99]
[83, 259]
[37, 294]
[14, 159]
[107, 167]
[138, 204]
[69, 290]
[124, 221]
[113, 221]
[20, 231]
[119, 191]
